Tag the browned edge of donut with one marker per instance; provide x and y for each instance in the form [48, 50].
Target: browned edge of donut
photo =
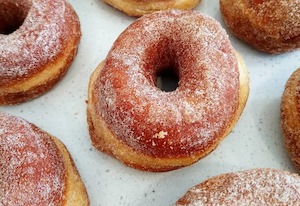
[246, 26]
[75, 193]
[223, 184]
[290, 117]
[39, 83]
[104, 140]
[139, 8]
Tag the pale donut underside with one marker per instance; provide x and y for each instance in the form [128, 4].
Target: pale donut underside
[139, 8]
[35, 56]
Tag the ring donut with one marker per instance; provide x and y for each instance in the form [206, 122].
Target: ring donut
[250, 187]
[36, 168]
[271, 26]
[290, 124]
[149, 129]
[38, 41]
[139, 8]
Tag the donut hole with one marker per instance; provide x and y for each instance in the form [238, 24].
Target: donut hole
[167, 79]
[12, 15]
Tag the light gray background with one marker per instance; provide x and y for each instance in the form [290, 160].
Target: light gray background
[256, 141]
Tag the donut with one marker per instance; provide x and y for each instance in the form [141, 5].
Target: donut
[139, 8]
[290, 124]
[38, 42]
[271, 26]
[251, 187]
[146, 128]
[36, 168]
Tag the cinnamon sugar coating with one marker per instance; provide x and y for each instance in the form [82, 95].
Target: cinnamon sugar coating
[272, 26]
[186, 123]
[36, 168]
[31, 168]
[37, 53]
[290, 115]
[251, 187]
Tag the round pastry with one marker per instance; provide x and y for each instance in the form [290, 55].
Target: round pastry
[290, 117]
[272, 26]
[38, 41]
[139, 8]
[35, 167]
[132, 119]
[251, 187]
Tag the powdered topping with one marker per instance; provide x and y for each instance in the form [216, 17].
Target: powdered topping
[39, 39]
[197, 112]
[252, 187]
[31, 168]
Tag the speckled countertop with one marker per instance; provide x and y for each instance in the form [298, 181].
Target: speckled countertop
[255, 141]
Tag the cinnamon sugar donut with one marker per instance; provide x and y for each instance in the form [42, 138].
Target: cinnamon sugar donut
[139, 8]
[271, 26]
[36, 168]
[290, 117]
[38, 41]
[251, 187]
[149, 129]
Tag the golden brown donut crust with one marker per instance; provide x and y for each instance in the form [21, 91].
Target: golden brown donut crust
[250, 187]
[29, 66]
[75, 193]
[140, 7]
[290, 117]
[35, 159]
[272, 26]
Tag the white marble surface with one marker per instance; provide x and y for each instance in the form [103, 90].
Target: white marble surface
[256, 141]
